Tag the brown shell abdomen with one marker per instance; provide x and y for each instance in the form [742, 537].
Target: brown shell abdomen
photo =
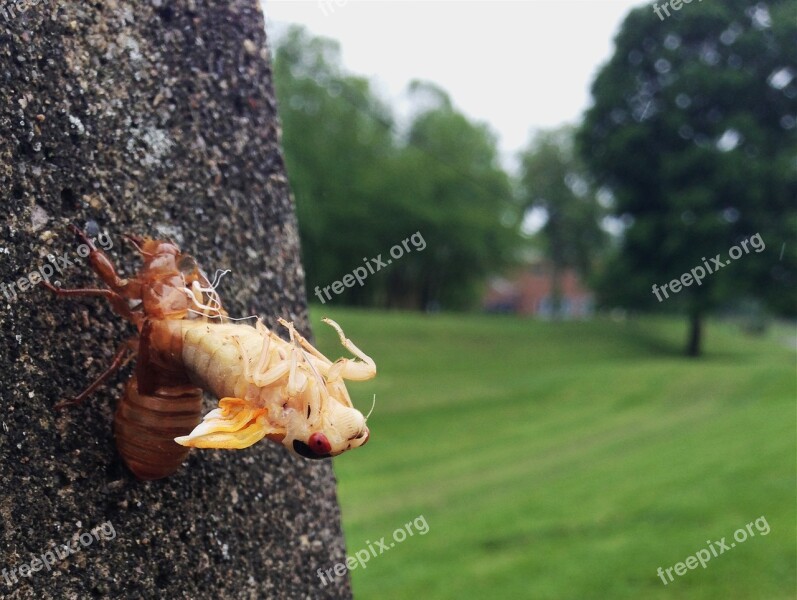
[146, 425]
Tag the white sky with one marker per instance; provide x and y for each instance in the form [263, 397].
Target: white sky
[517, 65]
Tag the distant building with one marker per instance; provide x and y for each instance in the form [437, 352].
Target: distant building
[528, 292]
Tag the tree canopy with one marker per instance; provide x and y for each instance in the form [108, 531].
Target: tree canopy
[363, 186]
[693, 131]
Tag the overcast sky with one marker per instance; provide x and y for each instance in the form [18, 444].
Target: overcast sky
[516, 65]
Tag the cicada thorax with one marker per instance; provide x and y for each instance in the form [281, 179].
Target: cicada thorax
[174, 287]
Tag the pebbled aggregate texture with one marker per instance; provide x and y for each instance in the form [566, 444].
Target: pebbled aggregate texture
[156, 118]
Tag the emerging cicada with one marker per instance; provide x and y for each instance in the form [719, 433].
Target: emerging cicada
[286, 391]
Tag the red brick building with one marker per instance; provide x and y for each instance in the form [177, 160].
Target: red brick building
[528, 292]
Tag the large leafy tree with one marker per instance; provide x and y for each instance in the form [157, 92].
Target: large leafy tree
[362, 187]
[339, 150]
[553, 179]
[693, 130]
[457, 193]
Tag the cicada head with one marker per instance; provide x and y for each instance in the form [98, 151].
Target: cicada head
[314, 431]
[337, 429]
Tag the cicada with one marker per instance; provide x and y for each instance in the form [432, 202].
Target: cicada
[269, 387]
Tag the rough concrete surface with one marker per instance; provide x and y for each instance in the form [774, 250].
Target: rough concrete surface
[151, 117]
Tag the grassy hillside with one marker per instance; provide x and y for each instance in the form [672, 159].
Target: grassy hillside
[568, 461]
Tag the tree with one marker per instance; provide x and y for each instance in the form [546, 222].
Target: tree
[362, 187]
[339, 152]
[554, 179]
[693, 130]
[460, 198]
[156, 123]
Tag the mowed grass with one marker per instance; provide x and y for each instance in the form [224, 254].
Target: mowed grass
[568, 460]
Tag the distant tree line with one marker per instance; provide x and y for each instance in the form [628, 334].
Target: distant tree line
[690, 147]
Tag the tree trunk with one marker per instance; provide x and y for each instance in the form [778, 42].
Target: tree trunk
[693, 345]
[158, 119]
[556, 290]
[557, 262]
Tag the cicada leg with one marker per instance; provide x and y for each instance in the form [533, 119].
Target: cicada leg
[123, 356]
[118, 303]
[103, 266]
[346, 368]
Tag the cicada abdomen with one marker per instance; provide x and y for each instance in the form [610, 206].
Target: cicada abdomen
[159, 404]
[147, 423]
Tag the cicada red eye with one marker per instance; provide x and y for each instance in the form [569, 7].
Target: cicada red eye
[319, 443]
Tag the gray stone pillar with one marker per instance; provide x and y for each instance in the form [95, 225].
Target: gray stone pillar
[156, 118]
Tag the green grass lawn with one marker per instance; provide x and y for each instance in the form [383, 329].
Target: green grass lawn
[569, 460]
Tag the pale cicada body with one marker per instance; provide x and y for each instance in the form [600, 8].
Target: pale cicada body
[269, 387]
